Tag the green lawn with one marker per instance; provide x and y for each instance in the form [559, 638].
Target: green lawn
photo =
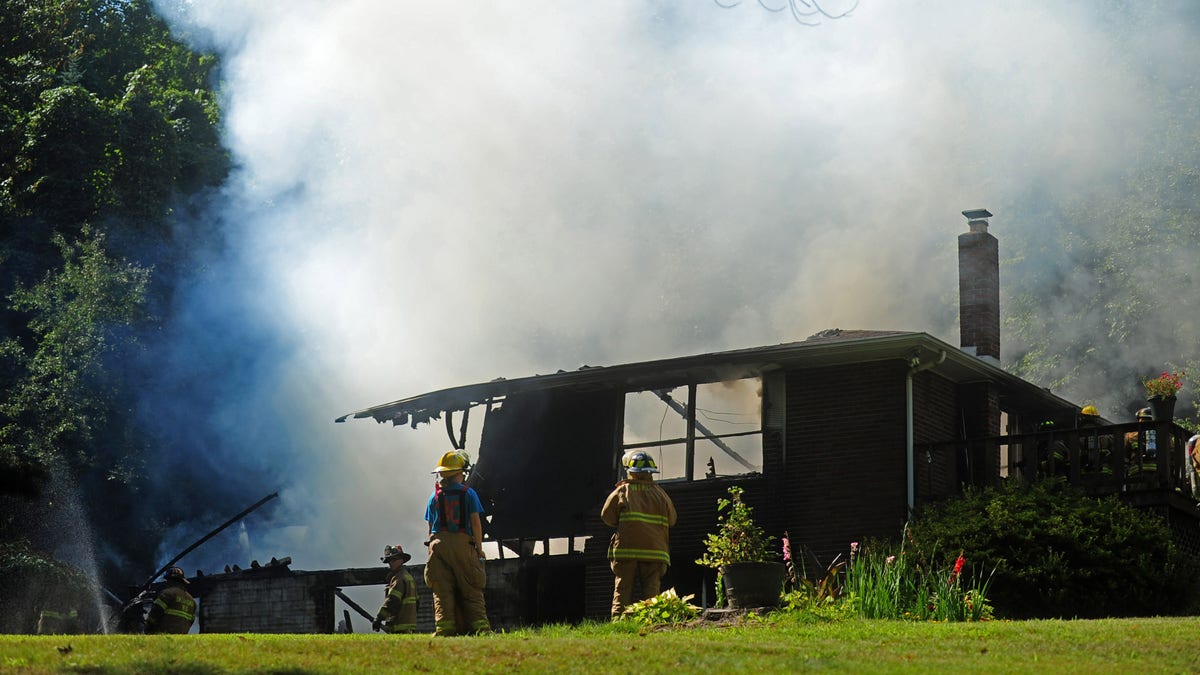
[1167, 645]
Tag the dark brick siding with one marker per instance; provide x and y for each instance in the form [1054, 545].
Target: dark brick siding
[846, 477]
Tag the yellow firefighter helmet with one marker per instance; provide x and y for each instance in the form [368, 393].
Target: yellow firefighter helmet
[456, 460]
[1090, 410]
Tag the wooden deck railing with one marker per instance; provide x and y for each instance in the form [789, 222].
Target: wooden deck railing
[1136, 457]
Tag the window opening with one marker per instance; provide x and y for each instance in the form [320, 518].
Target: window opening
[696, 431]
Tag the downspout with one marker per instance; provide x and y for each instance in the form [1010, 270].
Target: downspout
[914, 366]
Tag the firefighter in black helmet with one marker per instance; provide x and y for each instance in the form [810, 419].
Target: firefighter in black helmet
[399, 611]
[174, 609]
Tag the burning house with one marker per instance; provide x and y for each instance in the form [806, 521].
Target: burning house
[834, 438]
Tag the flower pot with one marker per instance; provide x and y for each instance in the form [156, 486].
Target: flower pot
[1162, 408]
[753, 584]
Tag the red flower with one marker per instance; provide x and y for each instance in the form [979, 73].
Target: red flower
[958, 565]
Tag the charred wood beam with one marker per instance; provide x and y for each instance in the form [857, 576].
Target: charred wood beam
[208, 536]
[460, 442]
[353, 605]
[683, 412]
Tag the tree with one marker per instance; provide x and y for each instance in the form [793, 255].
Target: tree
[55, 386]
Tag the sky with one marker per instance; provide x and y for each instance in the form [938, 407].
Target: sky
[434, 194]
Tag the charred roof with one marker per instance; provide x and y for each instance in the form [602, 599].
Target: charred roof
[831, 347]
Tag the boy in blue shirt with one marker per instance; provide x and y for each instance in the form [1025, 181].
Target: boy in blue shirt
[455, 571]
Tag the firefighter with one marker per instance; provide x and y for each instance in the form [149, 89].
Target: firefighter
[1133, 450]
[174, 609]
[1193, 461]
[399, 611]
[642, 514]
[1096, 447]
[55, 622]
[455, 571]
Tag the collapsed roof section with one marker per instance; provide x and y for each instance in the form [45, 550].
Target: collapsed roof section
[827, 348]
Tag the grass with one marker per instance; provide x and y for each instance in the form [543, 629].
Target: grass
[787, 643]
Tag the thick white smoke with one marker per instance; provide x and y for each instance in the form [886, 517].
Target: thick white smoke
[433, 194]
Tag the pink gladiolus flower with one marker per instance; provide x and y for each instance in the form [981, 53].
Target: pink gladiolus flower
[854, 547]
[787, 549]
[891, 559]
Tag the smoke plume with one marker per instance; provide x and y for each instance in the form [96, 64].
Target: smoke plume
[434, 194]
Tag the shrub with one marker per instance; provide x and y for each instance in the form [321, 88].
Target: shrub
[738, 538]
[665, 608]
[1059, 553]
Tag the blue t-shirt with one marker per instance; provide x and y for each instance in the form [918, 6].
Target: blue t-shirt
[460, 491]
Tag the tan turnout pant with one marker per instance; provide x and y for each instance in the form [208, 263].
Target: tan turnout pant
[457, 577]
[646, 573]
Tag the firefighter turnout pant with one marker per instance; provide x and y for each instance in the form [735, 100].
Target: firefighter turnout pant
[630, 573]
[457, 577]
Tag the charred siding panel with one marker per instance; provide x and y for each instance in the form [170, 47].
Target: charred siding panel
[597, 578]
[536, 439]
[846, 470]
[980, 406]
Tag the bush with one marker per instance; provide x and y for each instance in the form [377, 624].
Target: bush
[665, 608]
[1056, 552]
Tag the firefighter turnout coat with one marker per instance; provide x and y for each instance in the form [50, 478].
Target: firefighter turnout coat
[642, 513]
[399, 610]
[173, 610]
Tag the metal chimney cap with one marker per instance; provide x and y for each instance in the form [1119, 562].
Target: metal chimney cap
[977, 214]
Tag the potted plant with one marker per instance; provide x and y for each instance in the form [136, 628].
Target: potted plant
[750, 575]
[1160, 394]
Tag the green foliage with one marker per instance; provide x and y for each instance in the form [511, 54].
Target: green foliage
[54, 393]
[804, 593]
[102, 114]
[31, 581]
[665, 608]
[738, 538]
[1055, 552]
[885, 583]
[1117, 263]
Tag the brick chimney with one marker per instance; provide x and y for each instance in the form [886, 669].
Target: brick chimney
[979, 287]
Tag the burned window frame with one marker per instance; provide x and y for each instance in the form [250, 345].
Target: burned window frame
[697, 431]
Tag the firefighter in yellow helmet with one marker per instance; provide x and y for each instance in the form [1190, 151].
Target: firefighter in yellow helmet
[1095, 447]
[174, 609]
[455, 571]
[1136, 450]
[399, 611]
[640, 550]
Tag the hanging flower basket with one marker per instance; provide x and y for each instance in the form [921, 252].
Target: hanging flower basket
[1162, 408]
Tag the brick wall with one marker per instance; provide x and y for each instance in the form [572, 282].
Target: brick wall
[846, 476]
[286, 604]
[935, 420]
[979, 292]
